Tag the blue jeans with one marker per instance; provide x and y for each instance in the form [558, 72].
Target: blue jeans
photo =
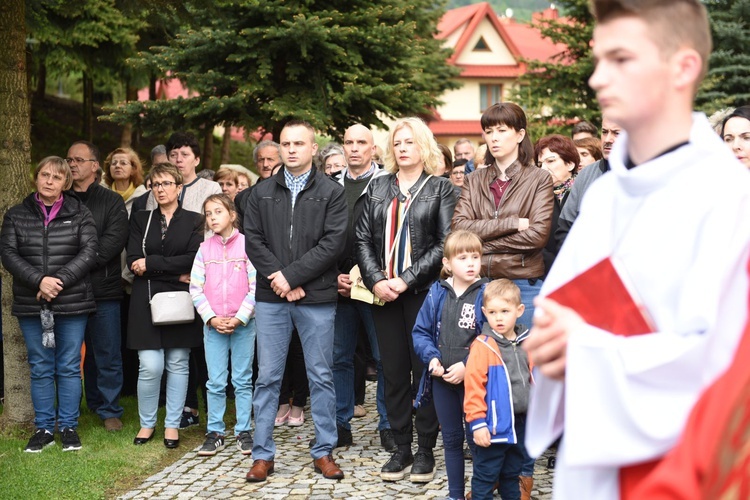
[499, 462]
[350, 315]
[314, 323]
[102, 368]
[528, 293]
[152, 365]
[218, 346]
[61, 366]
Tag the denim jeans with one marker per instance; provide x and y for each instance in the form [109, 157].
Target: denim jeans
[499, 462]
[528, 293]
[102, 368]
[241, 345]
[350, 315]
[274, 322]
[61, 366]
[152, 365]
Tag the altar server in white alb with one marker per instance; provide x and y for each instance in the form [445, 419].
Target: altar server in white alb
[673, 215]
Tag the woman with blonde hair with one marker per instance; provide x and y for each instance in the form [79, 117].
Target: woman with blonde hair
[123, 174]
[399, 246]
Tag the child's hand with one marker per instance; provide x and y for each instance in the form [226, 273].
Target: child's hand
[436, 369]
[482, 437]
[455, 373]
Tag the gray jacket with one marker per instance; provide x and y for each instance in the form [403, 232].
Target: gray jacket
[516, 363]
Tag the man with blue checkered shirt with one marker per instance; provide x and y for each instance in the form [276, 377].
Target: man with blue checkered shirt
[295, 228]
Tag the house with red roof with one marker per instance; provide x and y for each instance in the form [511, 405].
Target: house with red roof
[489, 50]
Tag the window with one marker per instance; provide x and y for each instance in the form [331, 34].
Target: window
[481, 45]
[489, 94]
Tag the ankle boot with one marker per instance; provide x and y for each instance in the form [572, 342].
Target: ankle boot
[526, 484]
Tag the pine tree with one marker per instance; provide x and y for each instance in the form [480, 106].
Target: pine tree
[332, 63]
[728, 79]
[557, 91]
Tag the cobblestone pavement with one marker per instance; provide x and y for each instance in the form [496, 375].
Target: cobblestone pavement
[223, 475]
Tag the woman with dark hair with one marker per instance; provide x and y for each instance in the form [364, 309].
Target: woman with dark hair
[161, 249]
[49, 246]
[509, 205]
[399, 244]
[557, 155]
[735, 131]
[445, 161]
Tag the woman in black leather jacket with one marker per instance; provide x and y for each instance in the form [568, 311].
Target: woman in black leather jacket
[399, 262]
[49, 246]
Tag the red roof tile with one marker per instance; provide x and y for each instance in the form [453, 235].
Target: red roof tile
[530, 41]
[456, 127]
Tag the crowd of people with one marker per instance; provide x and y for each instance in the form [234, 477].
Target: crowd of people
[432, 261]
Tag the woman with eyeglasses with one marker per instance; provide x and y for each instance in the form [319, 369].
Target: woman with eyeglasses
[161, 249]
[558, 155]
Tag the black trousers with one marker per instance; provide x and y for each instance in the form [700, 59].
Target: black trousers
[402, 370]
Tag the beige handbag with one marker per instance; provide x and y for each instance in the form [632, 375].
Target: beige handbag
[359, 291]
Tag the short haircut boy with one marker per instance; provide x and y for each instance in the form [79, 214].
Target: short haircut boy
[504, 289]
[458, 242]
[675, 23]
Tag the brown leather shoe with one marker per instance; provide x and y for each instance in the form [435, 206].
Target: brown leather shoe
[260, 470]
[113, 424]
[326, 466]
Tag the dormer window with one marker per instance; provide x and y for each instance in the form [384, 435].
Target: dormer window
[481, 45]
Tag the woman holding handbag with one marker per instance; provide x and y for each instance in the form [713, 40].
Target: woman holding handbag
[161, 250]
[399, 246]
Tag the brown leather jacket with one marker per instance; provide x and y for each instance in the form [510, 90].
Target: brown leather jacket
[508, 252]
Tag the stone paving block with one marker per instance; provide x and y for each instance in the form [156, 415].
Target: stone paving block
[224, 473]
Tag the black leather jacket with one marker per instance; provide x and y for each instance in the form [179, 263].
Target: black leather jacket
[65, 249]
[429, 224]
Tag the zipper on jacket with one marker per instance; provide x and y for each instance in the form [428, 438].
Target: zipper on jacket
[225, 280]
[494, 418]
[518, 362]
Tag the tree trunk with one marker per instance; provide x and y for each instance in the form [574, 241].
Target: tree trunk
[208, 147]
[87, 127]
[126, 139]
[152, 88]
[226, 142]
[15, 157]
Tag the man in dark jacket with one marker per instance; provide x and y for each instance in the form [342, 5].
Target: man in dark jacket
[351, 315]
[103, 362]
[295, 236]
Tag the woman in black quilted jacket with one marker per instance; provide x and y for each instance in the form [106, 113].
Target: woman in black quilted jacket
[49, 246]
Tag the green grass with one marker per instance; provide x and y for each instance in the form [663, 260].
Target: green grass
[107, 465]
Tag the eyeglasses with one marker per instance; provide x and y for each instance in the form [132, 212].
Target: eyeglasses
[458, 174]
[164, 185]
[77, 160]
[114, 163]
[548, 161]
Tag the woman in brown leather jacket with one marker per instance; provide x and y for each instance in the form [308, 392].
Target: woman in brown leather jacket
[509, 204]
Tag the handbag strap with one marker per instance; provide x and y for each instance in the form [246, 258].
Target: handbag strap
[401, 227]
[143, 248]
